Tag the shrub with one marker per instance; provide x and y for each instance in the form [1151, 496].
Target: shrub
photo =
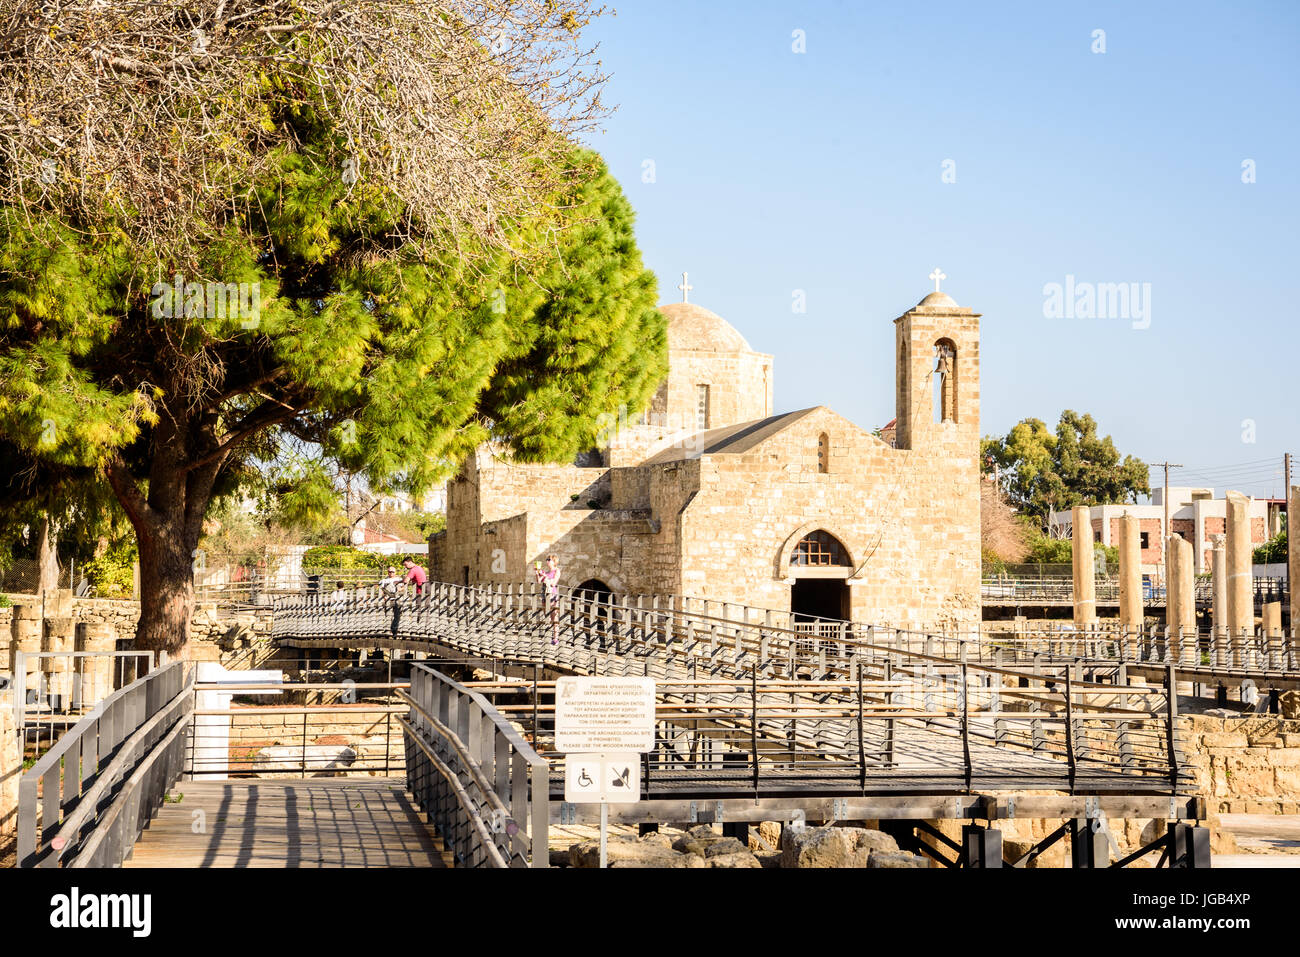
[346, 556]
[112, 573]
[1273, 551]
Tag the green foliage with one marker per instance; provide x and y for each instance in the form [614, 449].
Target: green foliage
[113, 573]
[1050, 551]
[1044, 550]
[991, 562]
[345, 556]
[4, 600]
[412, 526]
[1040, 470]
[1272, 552]
[375, 353]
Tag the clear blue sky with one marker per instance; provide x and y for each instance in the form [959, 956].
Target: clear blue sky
[821, 172]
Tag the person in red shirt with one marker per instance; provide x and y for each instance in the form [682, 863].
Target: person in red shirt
[416, 574]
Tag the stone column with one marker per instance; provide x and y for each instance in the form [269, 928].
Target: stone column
[1273, 619]
[1241, 602]
[11, 769]
[1182, 595]
[25, 636]
[1172, 614]
[94, 678]
[59, 635]
[1085, 586]
[1132, 609]
[1293, 561]
[1219, 571]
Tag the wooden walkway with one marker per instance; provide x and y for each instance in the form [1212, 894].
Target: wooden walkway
[316, 822]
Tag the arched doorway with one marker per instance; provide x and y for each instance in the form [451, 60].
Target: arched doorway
[593, 598]
[820, 566]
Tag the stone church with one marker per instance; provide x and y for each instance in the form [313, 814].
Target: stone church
[709, 494]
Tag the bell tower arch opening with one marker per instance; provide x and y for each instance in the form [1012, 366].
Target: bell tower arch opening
[945, 381]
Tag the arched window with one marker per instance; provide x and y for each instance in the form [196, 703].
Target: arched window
[819, 550]
[823, 453]
[945, 381]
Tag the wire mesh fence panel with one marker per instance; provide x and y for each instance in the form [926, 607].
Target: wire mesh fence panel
[22, 577]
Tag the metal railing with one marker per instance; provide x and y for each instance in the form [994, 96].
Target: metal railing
[342, 737]
[481, 783]
[262, 592]
[1007, 590]
[1250, 652]
[85, 802]
[945, 731]
[52, 690]
[661, 638]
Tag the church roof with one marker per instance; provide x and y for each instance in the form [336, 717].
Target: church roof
[730, 440]
[694, 328]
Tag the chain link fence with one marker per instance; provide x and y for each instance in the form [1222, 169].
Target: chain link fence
[23, 577]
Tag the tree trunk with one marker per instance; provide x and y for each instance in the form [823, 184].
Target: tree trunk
[47, 561]
[166, 590]
[167, 527]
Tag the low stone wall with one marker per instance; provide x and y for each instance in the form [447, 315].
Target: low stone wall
[1246, 765]
[373, 739]
[237, 640]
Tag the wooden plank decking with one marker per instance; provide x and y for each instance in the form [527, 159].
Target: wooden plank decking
[317, 822]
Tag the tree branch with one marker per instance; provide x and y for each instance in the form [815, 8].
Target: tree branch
[265, 415]
[141, 514]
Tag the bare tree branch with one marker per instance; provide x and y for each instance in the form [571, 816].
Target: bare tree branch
[156, 113]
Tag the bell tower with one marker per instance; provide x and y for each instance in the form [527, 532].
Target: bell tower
[938, 375]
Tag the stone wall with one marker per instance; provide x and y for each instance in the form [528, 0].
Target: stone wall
[11, 767]
[909, 519]
[215, 634]
[1247, 765]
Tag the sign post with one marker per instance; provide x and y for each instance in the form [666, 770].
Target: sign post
[602, 725]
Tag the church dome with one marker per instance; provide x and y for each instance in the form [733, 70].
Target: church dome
[937, 299]
[692, 327]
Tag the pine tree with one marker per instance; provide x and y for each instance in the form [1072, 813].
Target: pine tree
[390, 355]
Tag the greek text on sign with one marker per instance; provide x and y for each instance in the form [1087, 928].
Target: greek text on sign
[604, 714]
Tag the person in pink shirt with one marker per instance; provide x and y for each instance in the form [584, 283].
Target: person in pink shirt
[550, 580]
[416, 574]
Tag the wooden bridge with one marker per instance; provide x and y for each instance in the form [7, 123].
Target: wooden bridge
[755, 720]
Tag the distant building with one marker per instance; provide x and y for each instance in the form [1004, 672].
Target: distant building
[1194, 514]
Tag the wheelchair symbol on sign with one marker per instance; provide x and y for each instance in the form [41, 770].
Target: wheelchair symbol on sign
[584, 779]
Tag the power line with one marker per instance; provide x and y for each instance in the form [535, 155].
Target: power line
[1233, 479]
[1229, 465]
[1252, 470]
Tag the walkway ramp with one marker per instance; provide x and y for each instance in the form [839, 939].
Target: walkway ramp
[324, 822]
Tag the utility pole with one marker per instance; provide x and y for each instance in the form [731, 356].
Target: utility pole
[1286, 491]
[1164, 530]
